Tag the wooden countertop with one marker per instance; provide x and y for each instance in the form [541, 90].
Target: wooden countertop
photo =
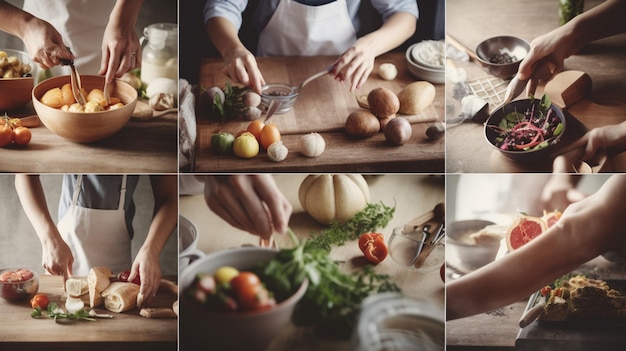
[323, 106]
[140, 147]
[126, 331]
[413, 194]
[466, 147]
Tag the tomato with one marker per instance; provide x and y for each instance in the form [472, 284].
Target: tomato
[6, 135]
[22, 135]
[246, 146]
[269, 135]
[545, 291]
[256, 299]
[255, 128]
[245, 283]
[20, 275]
[373, 247]
[40, 300]
[123, 276]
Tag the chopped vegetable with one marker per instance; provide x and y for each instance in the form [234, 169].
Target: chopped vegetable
[533, 129]
[57, 313]
[373, 247]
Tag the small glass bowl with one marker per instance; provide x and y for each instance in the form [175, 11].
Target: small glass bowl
[19, 290]
[409, 249]
[280, 92]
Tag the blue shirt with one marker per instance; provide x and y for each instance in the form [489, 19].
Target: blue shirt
[100, 192]
[232, 10]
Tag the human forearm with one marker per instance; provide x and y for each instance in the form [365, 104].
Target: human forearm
[165, 215]
[14, 20]
[395, 31]
[599, 22]
[33, 200]
[124, 14]
[224, 36]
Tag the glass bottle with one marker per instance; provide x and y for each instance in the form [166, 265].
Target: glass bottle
[160, 54]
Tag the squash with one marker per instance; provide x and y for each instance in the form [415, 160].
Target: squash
[329, 198]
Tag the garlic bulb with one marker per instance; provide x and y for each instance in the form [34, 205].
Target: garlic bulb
[312, 145]
[388, 71]
[277, 151]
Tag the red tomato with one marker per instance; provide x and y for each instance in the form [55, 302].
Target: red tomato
[245, 283]
[40, 300]
[123, 276]
[545, 291]
[373, 247]
[22, 135]
[6, 135]
[257, 299]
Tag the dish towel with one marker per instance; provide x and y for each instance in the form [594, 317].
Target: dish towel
[187, 126]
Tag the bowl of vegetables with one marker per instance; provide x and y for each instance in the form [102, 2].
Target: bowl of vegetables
[526, 130]
[16, 79]
[502, 55]
[59, 112]
[17, 284]
[226, 302]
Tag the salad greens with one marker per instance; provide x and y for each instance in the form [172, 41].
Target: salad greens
[532, 129]
[333, 298]
[58, 314]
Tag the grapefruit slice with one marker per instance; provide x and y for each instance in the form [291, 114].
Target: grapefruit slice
[551, 217]
[523, 230]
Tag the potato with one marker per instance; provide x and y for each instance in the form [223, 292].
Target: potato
[398, 131]
[97, 95]
[76, 107]
[68, 96]
[53, 98]
[362, 124]
[93, 106]
[415, 97]
[383, 102]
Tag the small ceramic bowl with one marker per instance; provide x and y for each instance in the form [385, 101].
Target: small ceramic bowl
[252, 330]
[18, 284]
[16, 92]
[279, 92]
[502, 55]
[523, 156]
[465, 255]
[85, 127]
[187, 242]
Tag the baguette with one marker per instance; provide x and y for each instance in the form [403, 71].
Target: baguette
[158, 312]
[98, 279]
[120, 296]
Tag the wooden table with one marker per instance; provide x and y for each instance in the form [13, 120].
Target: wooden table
[413, 194]
[140, 147]
[466, 147]
[125, 331]
[323, 106]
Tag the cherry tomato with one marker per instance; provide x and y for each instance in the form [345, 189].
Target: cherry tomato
[545, 291]
[123, 276]
[22, 135]
[245, 283]
[258, 298]
[6, 135]
[269, 135]
[40, 300]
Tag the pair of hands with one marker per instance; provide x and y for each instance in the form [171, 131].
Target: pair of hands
[57, 259]
[353, 66]
[121, 51]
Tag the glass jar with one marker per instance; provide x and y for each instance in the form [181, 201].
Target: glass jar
[160, 53]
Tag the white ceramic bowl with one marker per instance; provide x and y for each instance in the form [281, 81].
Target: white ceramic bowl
[253, 330]
[465, 256]
[187, 242]
[422, 71]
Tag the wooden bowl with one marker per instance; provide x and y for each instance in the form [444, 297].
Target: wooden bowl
[85, 127]
[15, 92]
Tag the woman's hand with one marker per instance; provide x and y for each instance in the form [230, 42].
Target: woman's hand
[355, 65]
[240, 65]
[147, 265]
[56, 257]
[249, 202]
[44, 44]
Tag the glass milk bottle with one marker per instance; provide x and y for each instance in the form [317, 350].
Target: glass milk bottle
[160, 54]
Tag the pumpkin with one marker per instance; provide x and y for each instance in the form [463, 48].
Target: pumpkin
[329, 198]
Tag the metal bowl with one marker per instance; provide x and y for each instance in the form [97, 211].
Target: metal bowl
[279, 92]
[21, 284]
[16, 92]
[523, 156]
[502, 55]
[463, 255]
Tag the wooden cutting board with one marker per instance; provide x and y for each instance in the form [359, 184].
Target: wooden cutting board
[571, 91]
[125, 331]
[324, 104]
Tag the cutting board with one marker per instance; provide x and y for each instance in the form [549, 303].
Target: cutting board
[126, 330]
[323, 105]
[570, 91]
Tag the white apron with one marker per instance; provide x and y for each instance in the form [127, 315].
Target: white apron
[97, 237]
[81, 23]
[300, 30]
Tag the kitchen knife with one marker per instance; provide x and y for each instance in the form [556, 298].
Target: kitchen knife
[532, 314]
